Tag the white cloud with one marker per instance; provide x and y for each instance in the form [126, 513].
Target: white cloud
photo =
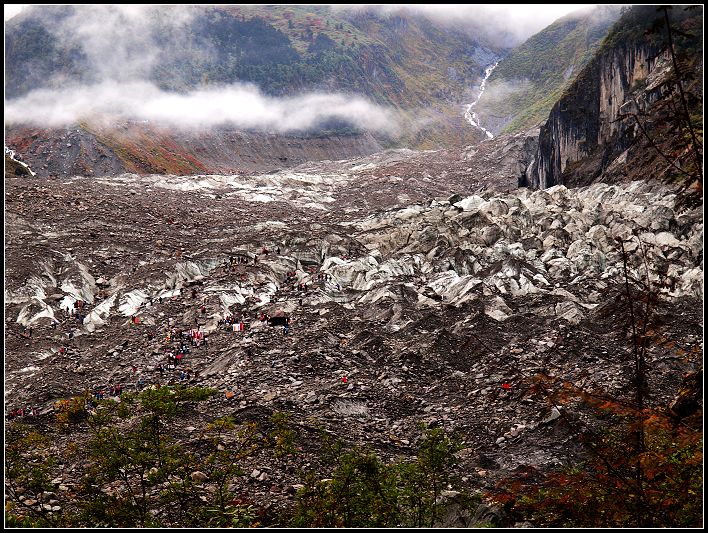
[512, 23]
[238, 105]
[13, 9]
[119, 41]
[120, 44]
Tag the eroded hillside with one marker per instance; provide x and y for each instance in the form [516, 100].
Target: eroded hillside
[92, 149]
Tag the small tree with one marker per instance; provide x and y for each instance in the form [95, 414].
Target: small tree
[228, 446]
[425, 479]
[130, 455]
[28, 474]
[363, 491]
[282, 437]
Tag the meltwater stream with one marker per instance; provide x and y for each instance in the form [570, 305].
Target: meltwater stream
[12, 155]
[470, 115]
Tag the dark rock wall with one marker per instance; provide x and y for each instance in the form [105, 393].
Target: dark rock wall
[586, 131]
[584, 122]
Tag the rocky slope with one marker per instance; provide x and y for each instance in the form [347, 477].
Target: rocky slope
[421, 286]
[431, 306]
[591, 130]
[89, 149]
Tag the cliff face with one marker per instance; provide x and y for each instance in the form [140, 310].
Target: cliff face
[586, 132]
[524, 86]
[584, 122]
[92, 150]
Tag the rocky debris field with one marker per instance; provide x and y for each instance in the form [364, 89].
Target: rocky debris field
[440, 301]
[108, 149]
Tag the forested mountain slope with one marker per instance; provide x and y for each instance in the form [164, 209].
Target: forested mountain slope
[525, 84]
[398, 59]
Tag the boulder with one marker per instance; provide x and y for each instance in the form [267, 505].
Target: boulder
[199, 477]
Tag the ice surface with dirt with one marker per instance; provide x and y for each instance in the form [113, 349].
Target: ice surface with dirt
[425, 288]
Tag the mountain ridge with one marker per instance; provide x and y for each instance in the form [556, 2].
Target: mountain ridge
[592, 132]
[392, 59]
[527, 82]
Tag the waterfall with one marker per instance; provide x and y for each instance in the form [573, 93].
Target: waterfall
[470, 115]
[12, 154]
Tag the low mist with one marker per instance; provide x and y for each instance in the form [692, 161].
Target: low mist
[121, 52]
[239, 105]
[501, 91]
[503, 24]
[119, 49]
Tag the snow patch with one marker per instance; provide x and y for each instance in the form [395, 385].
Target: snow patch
[261, 198]
[97, 317]
[131, 302]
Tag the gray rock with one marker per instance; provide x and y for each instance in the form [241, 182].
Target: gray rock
[199, 477]
[553, 416]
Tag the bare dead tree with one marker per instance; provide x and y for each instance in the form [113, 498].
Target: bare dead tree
[677, 75]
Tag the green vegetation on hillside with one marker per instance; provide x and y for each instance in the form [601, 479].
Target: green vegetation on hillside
[399, 60]
[643, 25]
[302, 24]
[133, 467]
[526, 84]
[363, 491]
[33, 56]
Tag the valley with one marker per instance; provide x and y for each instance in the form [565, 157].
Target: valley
[423, 284]
[489, 315]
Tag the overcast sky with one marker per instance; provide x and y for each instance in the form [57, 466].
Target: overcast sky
[13, 9]
[531, 17]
